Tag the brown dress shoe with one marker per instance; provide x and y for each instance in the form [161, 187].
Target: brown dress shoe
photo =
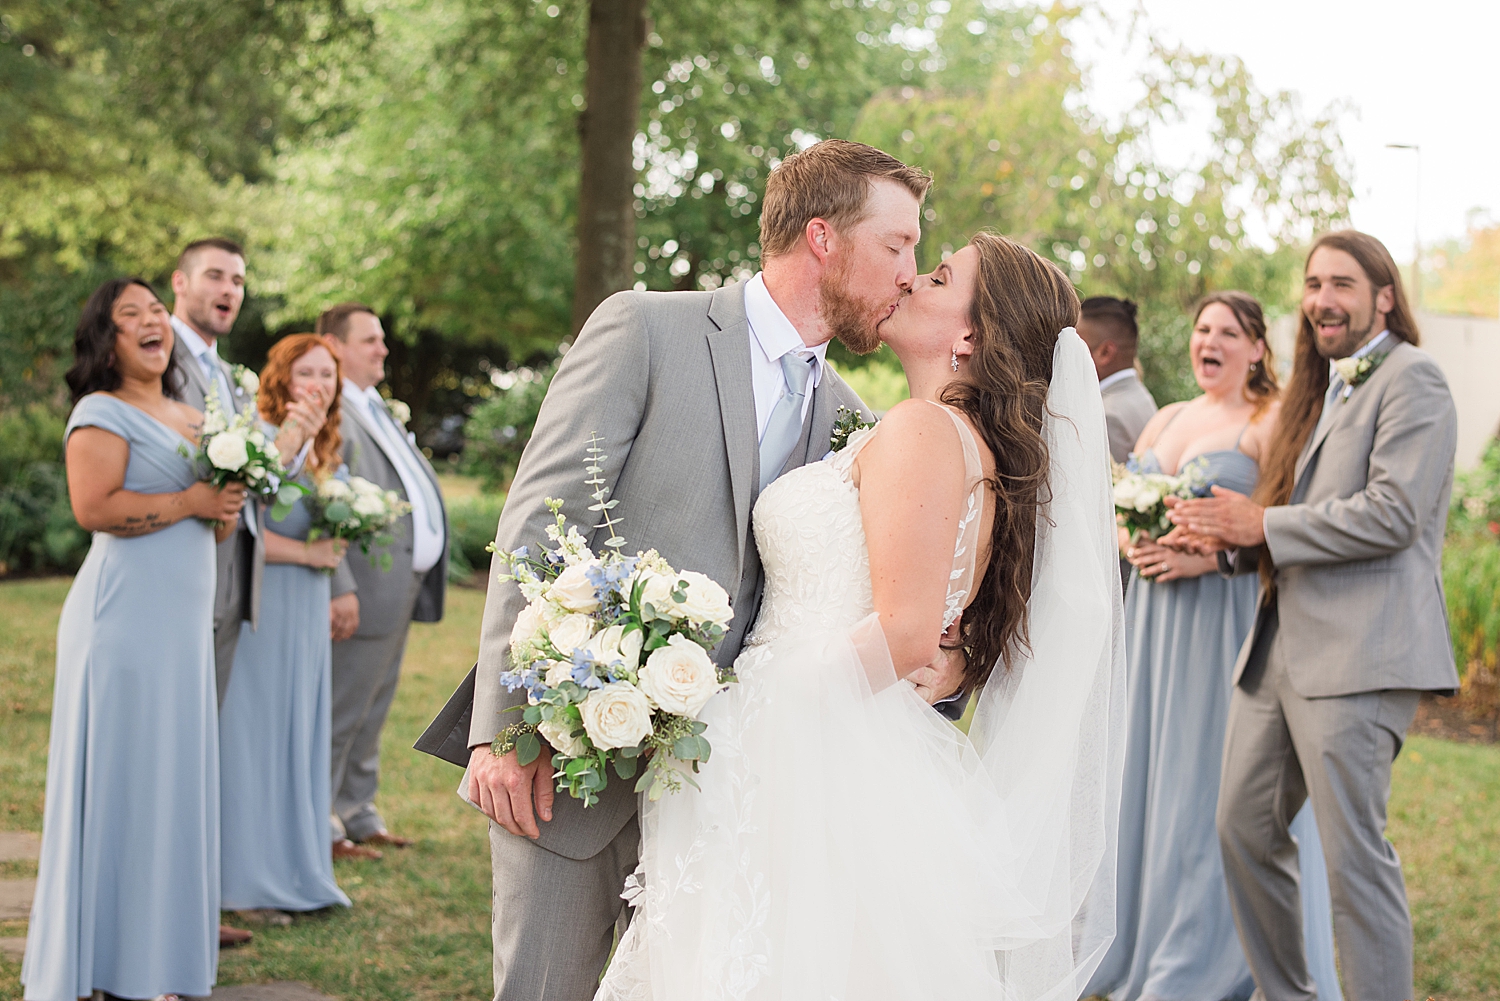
[348, 849]
[229, 937]
[384, 837]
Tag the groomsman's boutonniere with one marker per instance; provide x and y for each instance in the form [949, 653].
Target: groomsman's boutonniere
[1356, 370]
[844, 425]
[245, 380]
[400, 412]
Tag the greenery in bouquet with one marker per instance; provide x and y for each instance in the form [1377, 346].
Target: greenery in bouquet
[613, 652]
[236, 450]
[1140, 497]
[358, 511]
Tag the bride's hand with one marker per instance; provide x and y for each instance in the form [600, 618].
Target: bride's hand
[944, 677]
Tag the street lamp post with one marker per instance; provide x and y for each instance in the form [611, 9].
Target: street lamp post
[1416, 258]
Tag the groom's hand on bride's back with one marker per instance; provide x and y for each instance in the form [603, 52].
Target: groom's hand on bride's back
[511, 794]
[944, 677]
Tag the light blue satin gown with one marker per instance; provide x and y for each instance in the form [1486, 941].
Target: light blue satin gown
[127, 897]
[274, 744]
[1175, 937]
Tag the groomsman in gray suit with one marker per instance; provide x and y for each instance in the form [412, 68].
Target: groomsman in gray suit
[701, 400]
[1347, 526]
[1107, 325]
[372, 609]
[209, 288]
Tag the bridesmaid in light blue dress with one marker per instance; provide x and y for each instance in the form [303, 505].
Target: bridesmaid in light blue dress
[275, 728]
[127, 898]
[1175, 936]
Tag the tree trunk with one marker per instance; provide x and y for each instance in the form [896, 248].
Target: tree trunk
[607, 127]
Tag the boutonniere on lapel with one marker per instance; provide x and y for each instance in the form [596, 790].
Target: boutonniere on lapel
[400, 412]
[245, 380]
[845, 424]
[1356, 370]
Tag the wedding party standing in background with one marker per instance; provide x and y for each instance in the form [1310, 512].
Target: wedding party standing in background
[1185, 625]
[1346, 527]
[275, 727]
[209, 288]
[127, 895]
[379, 604]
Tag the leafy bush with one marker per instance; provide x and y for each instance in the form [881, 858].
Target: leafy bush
[471, 527]
[500, 427]
[1476, 495]
[1471, 577]
[37, 529]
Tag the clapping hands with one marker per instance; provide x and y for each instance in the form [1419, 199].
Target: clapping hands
[1206, 525]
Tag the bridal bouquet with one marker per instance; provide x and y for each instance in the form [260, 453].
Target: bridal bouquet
[613, 653]
[358, 511]
[235, 450]
[1140, 497]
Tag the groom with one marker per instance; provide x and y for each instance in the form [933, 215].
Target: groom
[701, 400]
[1351, 626]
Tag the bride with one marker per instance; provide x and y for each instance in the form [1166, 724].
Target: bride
[847, 842]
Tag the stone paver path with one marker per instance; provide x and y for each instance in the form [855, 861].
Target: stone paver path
[13, 948]
[15, 899]
[19, 846]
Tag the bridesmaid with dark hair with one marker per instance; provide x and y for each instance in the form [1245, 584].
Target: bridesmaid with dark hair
[1175, 937]
[127, 898]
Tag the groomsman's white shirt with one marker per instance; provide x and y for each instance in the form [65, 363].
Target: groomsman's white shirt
[771, 336]
[426, 515]
[1114, 377]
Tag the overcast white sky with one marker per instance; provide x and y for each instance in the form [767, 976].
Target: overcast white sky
[1424, 73]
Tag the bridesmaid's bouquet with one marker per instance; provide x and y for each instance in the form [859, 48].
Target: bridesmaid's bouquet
[236, 450]
[1140, 497]
[613, 653]
[357, 511]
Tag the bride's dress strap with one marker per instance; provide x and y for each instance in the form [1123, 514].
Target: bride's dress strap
[966, 552]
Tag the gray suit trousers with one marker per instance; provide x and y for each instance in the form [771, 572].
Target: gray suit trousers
[231, 602]
[555, 917]
[1281, 749]
[366, 670]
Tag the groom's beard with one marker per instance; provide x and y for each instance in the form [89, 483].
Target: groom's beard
[854, 321]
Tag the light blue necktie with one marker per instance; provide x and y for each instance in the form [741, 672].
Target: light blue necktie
[785, 426]
[404, 458]
[1330, 404]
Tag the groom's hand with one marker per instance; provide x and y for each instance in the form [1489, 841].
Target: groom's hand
[944, 676]
[504, 789]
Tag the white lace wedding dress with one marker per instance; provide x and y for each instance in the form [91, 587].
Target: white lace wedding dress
[847, 843]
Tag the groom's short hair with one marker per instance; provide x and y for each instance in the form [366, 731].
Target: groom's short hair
[829, 180]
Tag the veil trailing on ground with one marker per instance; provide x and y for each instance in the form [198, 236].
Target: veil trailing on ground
[1051, 731]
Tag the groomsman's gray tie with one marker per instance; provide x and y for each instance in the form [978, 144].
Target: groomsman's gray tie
[785, 426]
[1330, 403]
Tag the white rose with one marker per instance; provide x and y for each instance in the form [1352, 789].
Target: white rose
[616, 715]
[557, 671]
[571, 632]
[270, 450]
[706, 600]
[333, 490]
[605, 646]
[1125, 492]
[249, 381]
[400, 412]
[213, 422]
[369, 507]
[657, 592]
[524, 632]
[573, 590]
[1348, 369]
[227, 450]
[560, 736]
[679, 677]
[1147, 499]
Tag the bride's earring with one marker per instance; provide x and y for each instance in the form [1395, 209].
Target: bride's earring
[955, 359]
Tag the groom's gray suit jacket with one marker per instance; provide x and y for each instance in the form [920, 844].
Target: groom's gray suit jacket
[1358, 550]
[664, 379]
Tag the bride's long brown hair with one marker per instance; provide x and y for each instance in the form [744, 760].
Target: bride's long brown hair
[1021, 303]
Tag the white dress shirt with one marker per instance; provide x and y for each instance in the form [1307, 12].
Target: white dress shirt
[208, 359]
[426, 508]
[771, 336]
[1114, 377]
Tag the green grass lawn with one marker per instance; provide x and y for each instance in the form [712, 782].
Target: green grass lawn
[419, 928]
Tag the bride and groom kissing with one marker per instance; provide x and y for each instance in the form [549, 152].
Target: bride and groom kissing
[847, 841]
